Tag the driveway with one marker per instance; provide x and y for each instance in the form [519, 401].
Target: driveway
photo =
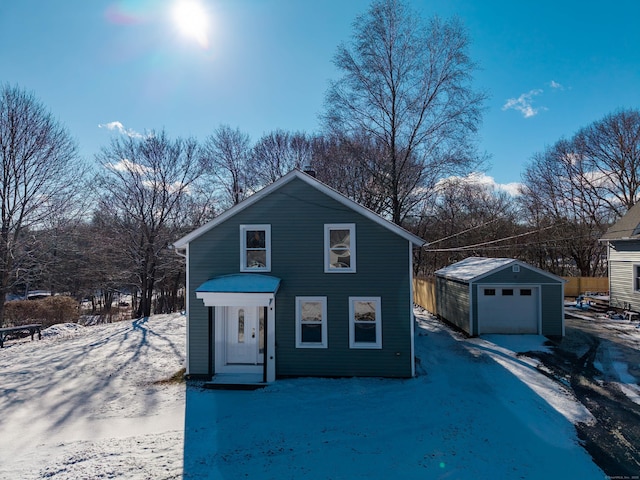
[600, 359]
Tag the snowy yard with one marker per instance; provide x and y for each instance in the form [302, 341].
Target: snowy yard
[82, 404]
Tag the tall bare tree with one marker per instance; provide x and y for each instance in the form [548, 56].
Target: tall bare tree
[341, 163]
[145, 183]
[406, 85]
[583, 184]
[560, 193]
[277, 153]
[610, 150]
[41, 176]
[226, 154]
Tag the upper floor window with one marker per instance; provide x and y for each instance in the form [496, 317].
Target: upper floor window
[340, 248]
[255, 248]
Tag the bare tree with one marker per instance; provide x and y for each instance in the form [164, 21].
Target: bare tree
[463, 219]
[145, 183]
[226, 154]
[277, 153]
[341, 163]
[407, 86]
[560, 192]
[582, 184]
[610, 150]
[41, 174]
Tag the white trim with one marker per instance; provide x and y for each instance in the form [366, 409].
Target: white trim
[270, 356]
[378, 306]
[219, 318]
[352, 247]
[187, 309]
[471, 309]
[323, 323]
[561, 306]
[412, 322]
[226, 299]
[243, 247]
[313, 182]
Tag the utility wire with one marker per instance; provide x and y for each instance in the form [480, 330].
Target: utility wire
[469, 247]
[464, 231]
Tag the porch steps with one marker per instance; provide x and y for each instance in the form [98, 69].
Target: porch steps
[239, 381]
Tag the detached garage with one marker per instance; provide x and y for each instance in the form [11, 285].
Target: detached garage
[500, 295]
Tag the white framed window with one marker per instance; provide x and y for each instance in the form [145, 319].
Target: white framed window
[255, 248]
[340, 248]
[636, 277]
[311, 322]
[365, 322]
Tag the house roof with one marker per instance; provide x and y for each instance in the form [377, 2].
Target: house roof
[312, 182]
[627, 228]
[474, 268]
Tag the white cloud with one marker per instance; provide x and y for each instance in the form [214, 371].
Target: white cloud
[117, 126]
[556, 85]
[524, 104]
[125, 165]
[175, 187]
[479, 178]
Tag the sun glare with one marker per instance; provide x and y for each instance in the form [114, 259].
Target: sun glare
[191, 19]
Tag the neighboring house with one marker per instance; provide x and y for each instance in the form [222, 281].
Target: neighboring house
[623, 254]
[500, 295]
[298, 280]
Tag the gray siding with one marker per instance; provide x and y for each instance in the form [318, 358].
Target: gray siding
[552, 304]
[297, 214]
[524, 276]
[452, 302]
[622, 258]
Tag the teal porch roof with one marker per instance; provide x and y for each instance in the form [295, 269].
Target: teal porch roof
[240, 283]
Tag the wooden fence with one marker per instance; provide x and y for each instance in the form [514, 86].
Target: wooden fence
[424, 289]
[578, 285]
[424, 293]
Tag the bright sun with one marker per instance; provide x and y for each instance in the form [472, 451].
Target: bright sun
[191, 18]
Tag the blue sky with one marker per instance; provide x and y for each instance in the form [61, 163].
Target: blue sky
[550, 67]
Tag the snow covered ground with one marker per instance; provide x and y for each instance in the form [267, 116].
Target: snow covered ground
[82, 404]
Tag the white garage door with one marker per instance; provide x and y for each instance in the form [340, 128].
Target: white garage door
[508, 309]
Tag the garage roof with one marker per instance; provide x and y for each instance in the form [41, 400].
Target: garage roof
[474, 268]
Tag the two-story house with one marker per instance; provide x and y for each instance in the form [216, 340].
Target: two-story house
[623, 255]
[299, 280]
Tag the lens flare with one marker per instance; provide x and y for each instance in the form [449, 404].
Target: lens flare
[192, 21]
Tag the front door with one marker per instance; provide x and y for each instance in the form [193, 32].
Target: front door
[245, 336]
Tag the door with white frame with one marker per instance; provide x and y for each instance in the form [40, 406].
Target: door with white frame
[243, 331]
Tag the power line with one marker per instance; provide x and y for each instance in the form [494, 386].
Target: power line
[469, 247]
[464, 231]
